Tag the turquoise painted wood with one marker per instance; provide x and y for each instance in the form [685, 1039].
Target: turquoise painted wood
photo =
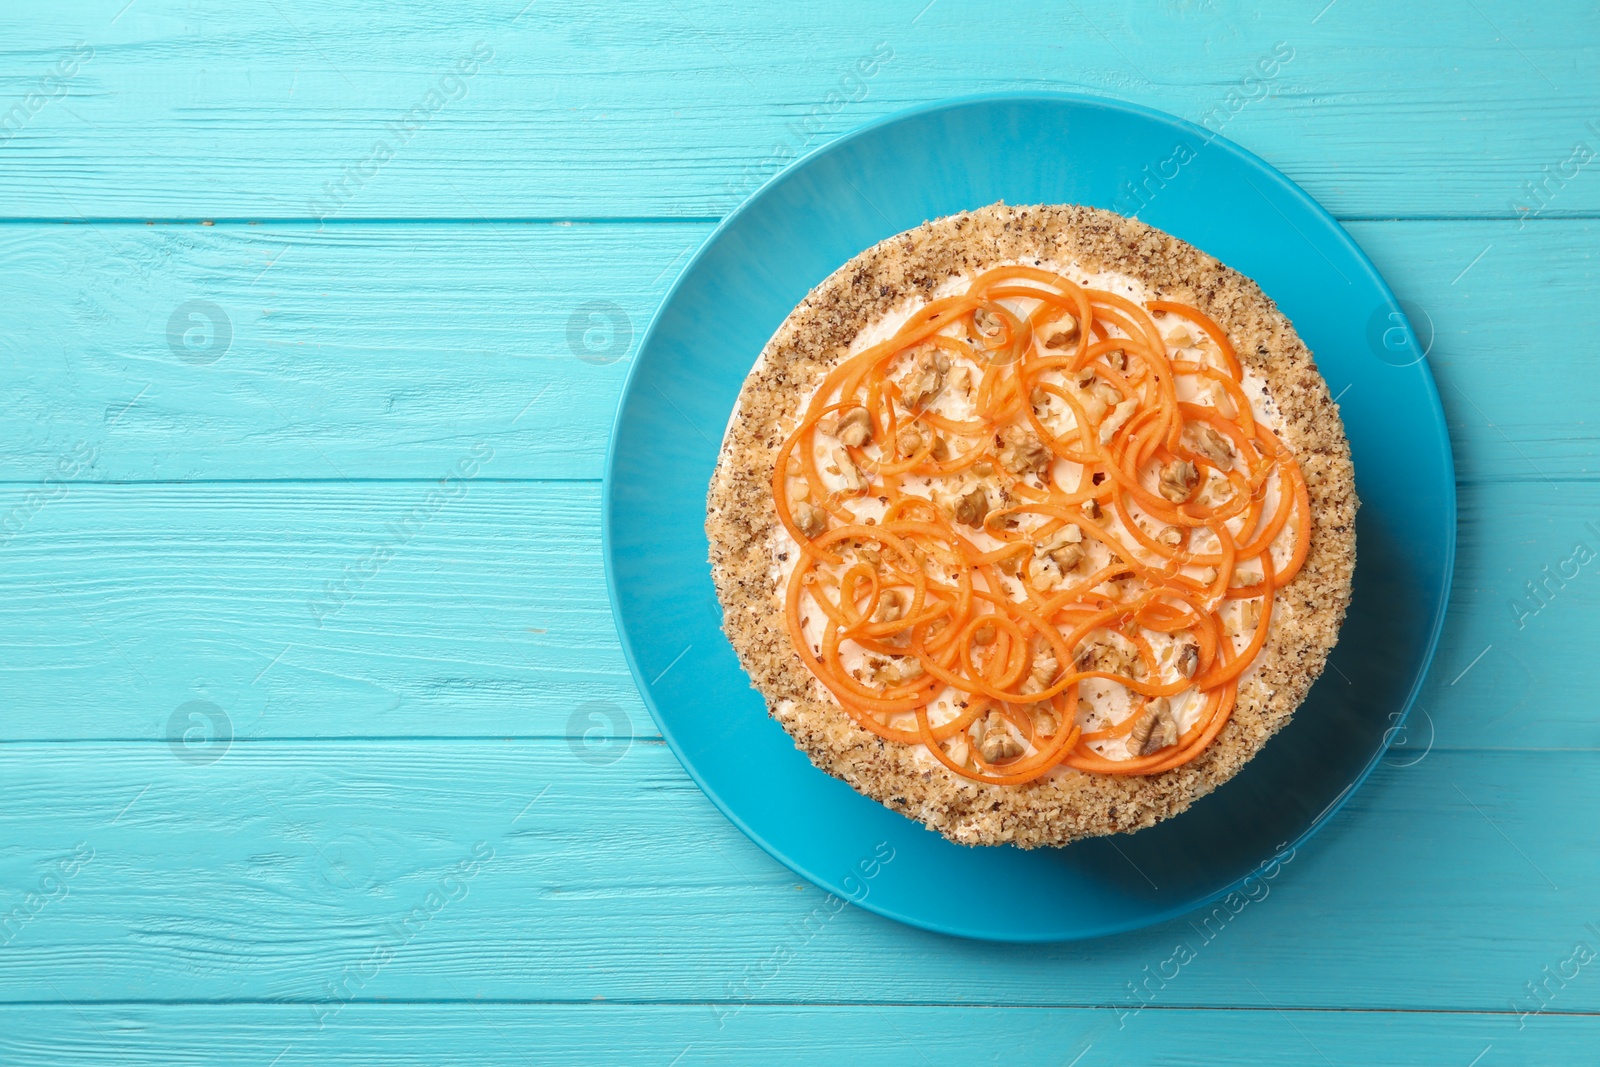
[123, 602]
[410, 1035]
[583, 108]
[389, 351]
[291, 871]
[316, 743]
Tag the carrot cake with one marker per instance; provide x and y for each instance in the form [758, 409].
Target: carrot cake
[1033, 524]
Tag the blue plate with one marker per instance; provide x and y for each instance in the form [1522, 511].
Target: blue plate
[889, 177]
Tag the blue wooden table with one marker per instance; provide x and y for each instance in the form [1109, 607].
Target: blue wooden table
[316, 742]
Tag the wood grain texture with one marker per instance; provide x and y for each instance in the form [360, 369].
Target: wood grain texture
[637, 109]
[599, 1035]
[329, 610]
[295, 871]
[316, 742]
[372, 609]
[389, 351]
[380, 351]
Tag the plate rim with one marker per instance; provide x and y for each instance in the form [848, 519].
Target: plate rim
[1440, 608]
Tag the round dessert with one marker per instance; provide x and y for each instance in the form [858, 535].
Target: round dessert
[1034, 524]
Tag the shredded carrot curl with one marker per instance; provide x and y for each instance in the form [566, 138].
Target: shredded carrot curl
[1031, 494]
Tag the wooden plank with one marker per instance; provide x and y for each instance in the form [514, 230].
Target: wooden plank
[594, 1035]
[343, 872]
[380, 351]
[323, 610]
[479, 610]
[1515, 409]
[579, 109]
[389, 351]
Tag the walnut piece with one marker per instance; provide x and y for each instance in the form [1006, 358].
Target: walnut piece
[1102, 397]
[909, 440]
[903, 671]
[987, 323]
[1215, 447]
[1068, 557]
[972, 506]
[926, 379]
[1044, 718]
[1023, 453]
[854, 427]
[1178, 480]
[1062, 332]
[1094, 408]
[998, 743]
[1044, 670]
[1114, 421]
[1064, 548]
[1187, 658]
[811, 521]
[852, 476]
[891, 607]
[1109, 656]
[1155, 730]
